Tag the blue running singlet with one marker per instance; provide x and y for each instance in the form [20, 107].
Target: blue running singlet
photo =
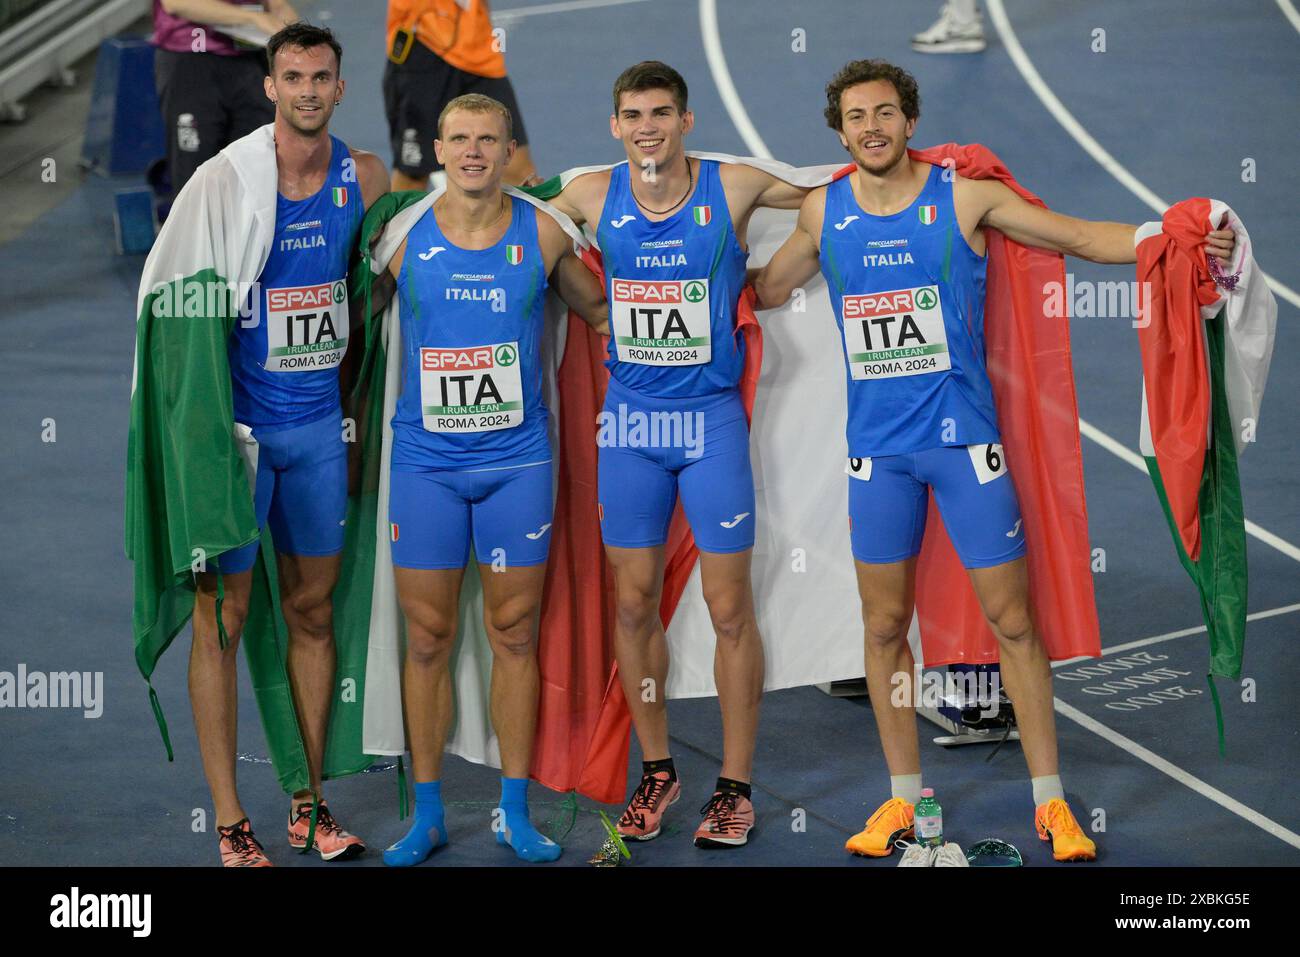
[908, 293]
[284, 357]
[672, 288]
[471, 350]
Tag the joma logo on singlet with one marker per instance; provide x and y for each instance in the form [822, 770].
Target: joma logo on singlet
[639, 291]
[883, 304]
[305, 297]
[460, 360]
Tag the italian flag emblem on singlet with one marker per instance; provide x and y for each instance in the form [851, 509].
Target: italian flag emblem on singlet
[927, 214]
[340, 196]
[514, 255]
[703, 214]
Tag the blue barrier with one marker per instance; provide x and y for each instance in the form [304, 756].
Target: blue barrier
[124, 131]
[133, 219]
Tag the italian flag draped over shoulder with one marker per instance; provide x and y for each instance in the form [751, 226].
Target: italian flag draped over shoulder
[807, 599]
[1206, 348]
[190, 467]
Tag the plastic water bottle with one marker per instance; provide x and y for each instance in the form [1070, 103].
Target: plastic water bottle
[929, 819]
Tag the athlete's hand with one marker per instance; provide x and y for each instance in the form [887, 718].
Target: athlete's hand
[1220, 243]
[533, 180]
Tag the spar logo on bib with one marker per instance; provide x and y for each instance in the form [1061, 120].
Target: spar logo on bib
[703, 215]
[896, 333]
[927, 214]
[306, 327]
[514, 255]
[474, 389]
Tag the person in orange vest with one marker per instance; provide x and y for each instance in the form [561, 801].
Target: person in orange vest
[437, 51]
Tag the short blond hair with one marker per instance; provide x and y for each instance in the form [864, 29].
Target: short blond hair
[478, 103]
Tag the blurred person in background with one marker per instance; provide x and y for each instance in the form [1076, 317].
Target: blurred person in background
[437, 51]
[209, 86]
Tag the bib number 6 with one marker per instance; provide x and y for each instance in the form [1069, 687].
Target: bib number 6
[989, 462]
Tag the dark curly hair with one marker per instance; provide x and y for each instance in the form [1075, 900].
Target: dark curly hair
[302, 36]
[864, 71]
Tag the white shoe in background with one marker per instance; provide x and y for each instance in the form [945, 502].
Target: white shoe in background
[950, 34]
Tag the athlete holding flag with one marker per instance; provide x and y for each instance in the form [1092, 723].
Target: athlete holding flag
[902, 246]
[285, 382]
[671, 230]
[471, 454]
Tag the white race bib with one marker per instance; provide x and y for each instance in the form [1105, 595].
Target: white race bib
[859, 469]
[306, 327]
[989, 461]
[895, 333]
[661, 322]
[471, 389]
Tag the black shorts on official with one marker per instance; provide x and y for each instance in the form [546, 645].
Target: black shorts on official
[208, 101]
[415, 93]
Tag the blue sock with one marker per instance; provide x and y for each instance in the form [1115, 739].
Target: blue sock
[427, 830]
[518, 831]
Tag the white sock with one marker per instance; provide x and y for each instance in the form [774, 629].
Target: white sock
[963, 10]
[1046, 788]
[906, 786]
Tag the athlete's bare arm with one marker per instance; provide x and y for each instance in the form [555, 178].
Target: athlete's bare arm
[371, 175]
[749, 187]
[993, 204]
[574, 282]
[583, 199]
[798, 259]
[221, 13]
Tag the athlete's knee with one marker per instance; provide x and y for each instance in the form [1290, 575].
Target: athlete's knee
[636, 605]
[1012, 622]
[430, 634]
[512, 630]
[731, 610]
[309, 613]
[886, 624]
[234, 612]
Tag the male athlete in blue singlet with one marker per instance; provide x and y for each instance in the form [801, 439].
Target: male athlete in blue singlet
[284, 366]
[471, 458]
[672, 233]
[902, 248]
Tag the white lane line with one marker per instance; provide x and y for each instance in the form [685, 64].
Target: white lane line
[1290, 13]
[1178, 774]
[1132, 458]
[1084, 138]
[1168, 636]
[740, 118]
[518, 13]
[1115, 447]
[722, 80]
